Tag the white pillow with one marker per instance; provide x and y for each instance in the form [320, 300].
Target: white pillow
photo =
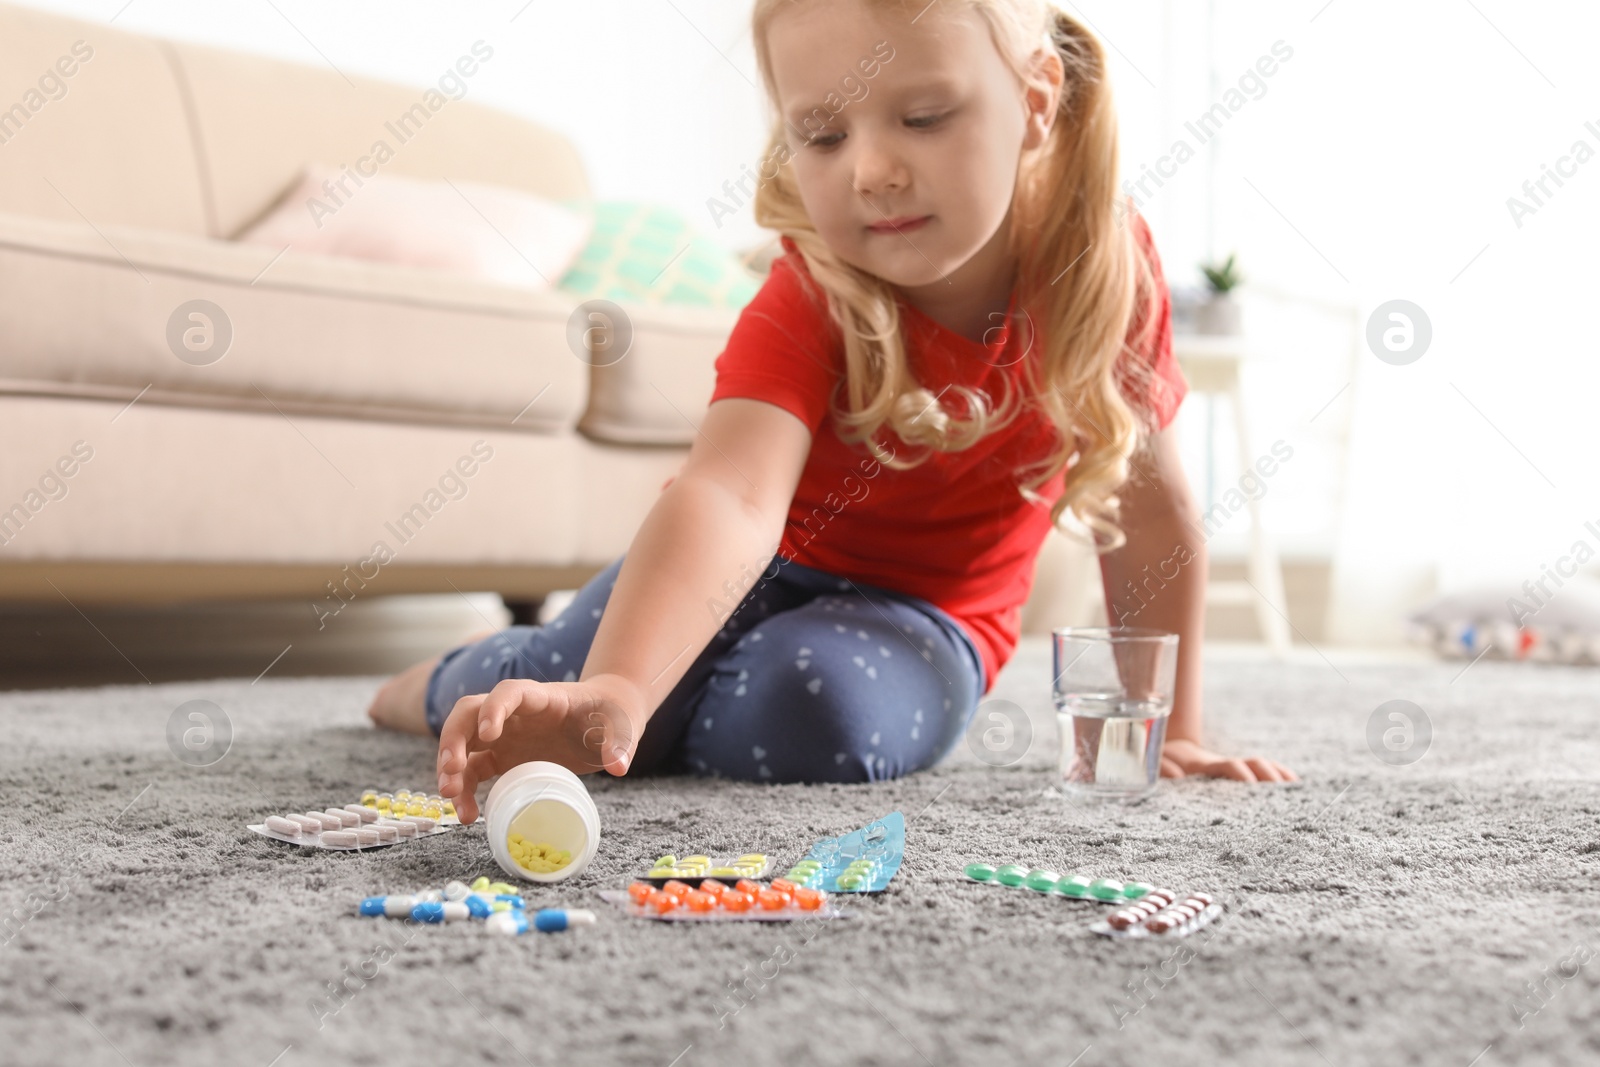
[1564, 627]
[485, 231]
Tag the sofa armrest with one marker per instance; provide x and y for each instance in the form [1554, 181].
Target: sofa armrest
[656, 391]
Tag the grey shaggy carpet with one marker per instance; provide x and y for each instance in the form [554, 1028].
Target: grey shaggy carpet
[1442, 912]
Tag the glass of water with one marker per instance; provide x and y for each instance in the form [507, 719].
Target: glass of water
[1113, 694]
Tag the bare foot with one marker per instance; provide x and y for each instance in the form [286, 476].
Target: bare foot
[398, 703]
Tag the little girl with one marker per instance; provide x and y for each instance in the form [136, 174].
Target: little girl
[968, 334]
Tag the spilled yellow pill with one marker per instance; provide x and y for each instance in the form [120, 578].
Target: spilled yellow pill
[537, 856]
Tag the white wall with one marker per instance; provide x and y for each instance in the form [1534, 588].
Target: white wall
[1376, 165]
[655, 109]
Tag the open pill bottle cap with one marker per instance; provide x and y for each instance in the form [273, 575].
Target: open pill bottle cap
[542, 811]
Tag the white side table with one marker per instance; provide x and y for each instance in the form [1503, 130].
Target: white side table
[1211, 365]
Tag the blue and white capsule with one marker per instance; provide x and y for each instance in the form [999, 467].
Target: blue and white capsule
[395, 907]
[440, 911]
[548, 920]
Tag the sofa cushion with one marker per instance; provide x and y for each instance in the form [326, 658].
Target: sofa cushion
[678, 294]
[155, 483]
[479, 231]
[644, 253]
[92, 127]
[105, 312]
[260, 122]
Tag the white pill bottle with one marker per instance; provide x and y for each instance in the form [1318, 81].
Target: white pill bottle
[547, 804]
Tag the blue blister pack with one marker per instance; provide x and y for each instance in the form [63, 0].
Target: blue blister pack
[861, 861]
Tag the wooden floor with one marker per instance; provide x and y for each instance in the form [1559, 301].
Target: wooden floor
[61, 646]
[51, 647]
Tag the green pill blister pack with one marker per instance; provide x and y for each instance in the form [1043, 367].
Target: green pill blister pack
[861, 861]
[1072, 886]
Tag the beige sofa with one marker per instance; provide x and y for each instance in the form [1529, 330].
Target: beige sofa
[447, 420]
[349, 390]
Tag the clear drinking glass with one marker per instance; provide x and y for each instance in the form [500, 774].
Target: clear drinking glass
[1113, 689]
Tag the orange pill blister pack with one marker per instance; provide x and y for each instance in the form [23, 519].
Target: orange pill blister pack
[779, 900]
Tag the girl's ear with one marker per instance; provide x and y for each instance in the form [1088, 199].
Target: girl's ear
[1042, 97]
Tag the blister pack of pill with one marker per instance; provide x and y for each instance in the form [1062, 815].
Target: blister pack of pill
[1160, 914]
[404, 802]
[380, 819]
[1047, 882]
[745, 901]
[693, 869]
[862, 861]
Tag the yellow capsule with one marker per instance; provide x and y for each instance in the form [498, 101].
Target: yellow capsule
[479, 884]
[413, 808]
[753, 857]
[371, 794]
[449, 808]
[697, 859]
[382, 804]
[369, 803]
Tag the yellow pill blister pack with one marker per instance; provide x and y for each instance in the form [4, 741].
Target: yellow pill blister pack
[378, 820]
[693, 868]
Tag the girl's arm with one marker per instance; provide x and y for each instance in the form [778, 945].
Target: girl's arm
[705, 542]
[707, 539]
[1158, 580]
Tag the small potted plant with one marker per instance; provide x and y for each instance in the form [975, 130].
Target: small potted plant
[1220, 313]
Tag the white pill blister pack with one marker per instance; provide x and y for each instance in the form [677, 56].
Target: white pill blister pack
[381, 819]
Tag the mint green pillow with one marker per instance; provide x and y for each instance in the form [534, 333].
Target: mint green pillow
[629, 257]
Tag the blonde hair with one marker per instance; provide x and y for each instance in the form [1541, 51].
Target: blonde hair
[1066, 214]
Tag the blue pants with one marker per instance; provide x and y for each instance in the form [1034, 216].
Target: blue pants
[813, 678]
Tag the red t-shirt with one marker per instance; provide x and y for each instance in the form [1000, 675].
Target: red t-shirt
[954, 531]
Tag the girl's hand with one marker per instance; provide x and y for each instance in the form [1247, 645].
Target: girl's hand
[584, 726]
[1180, 757]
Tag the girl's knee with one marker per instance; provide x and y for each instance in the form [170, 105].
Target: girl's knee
[834, 733]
